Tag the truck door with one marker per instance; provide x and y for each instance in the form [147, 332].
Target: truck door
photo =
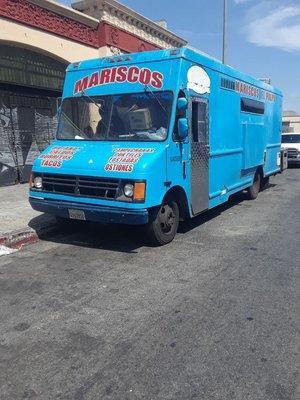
[199, 139]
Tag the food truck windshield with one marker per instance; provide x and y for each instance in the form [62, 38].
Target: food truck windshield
[122, 117]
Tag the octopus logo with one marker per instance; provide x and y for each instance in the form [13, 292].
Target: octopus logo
[198, 80]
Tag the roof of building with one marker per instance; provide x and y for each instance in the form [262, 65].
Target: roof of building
[104, 9]
[66, 11]
[290, 113]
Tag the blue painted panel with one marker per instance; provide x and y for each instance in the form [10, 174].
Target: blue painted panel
[254, 143]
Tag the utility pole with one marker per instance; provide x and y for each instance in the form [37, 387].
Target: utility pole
[224, 31]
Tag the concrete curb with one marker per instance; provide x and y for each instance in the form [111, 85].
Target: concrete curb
[22, 237]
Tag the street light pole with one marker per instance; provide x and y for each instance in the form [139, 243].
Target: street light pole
[224, 31]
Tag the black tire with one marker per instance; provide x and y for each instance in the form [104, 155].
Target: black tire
[253, 190]
[163, 228]
[265, 182]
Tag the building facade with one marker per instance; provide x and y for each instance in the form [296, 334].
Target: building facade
[38, 39]
[290, 122]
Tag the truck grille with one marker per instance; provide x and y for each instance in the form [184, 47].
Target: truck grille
[80, 185]
[292, 153]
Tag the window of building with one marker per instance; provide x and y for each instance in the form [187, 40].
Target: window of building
[286, 127]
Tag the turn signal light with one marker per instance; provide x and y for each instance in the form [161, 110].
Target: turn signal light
[139, 191]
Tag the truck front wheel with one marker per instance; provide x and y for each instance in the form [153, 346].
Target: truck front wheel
[163, 228]
[254, 189]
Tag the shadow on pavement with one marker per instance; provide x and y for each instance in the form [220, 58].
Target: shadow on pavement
[124, 238]
[210, 214]
[239, 198]
[120, 238]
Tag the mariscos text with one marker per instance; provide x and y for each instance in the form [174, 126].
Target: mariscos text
[119, 75]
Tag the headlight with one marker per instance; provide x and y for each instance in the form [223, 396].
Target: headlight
[38, 182]
[131, 191]
[128, 189]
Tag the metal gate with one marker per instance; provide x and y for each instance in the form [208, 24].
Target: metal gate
[199, 139]
[27, 125]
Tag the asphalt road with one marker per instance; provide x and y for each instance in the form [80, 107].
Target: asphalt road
[96, 314]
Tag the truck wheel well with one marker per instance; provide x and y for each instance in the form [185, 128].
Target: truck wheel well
[177, 193]
[260, 171]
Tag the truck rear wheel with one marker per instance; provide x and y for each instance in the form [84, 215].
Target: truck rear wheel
[265, 182]
[253, 190]
[163, 228]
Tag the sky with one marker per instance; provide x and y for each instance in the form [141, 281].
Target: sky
[263, 35]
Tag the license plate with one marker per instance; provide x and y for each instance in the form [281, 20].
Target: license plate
[76, 214]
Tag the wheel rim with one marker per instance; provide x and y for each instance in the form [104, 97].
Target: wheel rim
[166, 218]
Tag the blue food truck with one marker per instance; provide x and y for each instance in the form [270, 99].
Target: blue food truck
[156, 137]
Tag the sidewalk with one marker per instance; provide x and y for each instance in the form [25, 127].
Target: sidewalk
[19, 223]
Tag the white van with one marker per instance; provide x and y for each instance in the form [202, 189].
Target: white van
[291, 143]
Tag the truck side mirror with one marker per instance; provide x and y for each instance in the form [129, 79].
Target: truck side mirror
[183, 128]
[182, 105]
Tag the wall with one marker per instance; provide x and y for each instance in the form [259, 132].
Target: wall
[38, 40]
[293, 123]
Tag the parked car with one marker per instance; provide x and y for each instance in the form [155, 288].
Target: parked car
[291, 143]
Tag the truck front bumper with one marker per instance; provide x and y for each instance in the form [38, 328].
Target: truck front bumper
[102, 214]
